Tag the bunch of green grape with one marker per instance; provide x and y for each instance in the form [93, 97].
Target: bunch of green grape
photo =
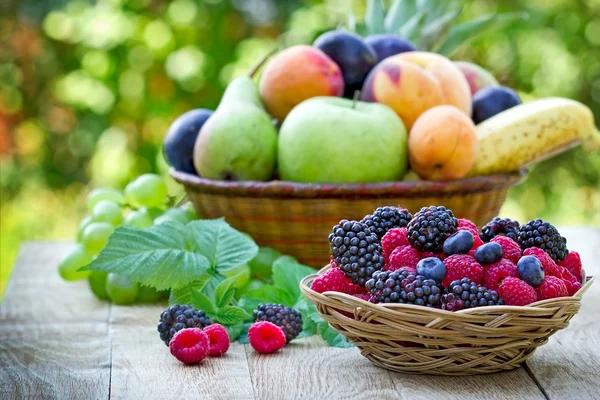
[144, 203]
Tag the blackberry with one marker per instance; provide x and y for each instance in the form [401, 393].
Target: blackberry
[430, 227]
[356, 250]
[176, 318]
[537, 233]
[385, 218]
[404, 287]
[500, 226]
[288, 319]
[465, 293]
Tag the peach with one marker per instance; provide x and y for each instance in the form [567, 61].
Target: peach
[413, 82]
[476, 76]
[296, 74]
[442, 144]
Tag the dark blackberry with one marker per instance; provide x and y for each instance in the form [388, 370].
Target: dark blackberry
[430, 227]
[404, 287]
[537, 233]
[385, 218]
[500, 226]
[176, 318]
[464, 293]
[356, 250]
[288, 319]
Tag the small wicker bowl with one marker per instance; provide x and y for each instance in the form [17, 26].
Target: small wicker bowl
[296, 218]
[419, 340]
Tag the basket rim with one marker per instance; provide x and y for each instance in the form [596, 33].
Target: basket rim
[541, 305]
[287, 189]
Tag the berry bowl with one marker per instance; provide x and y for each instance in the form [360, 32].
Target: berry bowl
[295, 218]
[419, 340]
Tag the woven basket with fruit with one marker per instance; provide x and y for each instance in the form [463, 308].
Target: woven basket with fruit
[337, 125]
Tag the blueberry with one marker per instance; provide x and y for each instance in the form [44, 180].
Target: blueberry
[492, 100]
[179, 141]
[432, 268]
[530, 270]
[458, 243]
[489, 253]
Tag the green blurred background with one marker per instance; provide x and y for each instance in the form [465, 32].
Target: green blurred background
[88, 89]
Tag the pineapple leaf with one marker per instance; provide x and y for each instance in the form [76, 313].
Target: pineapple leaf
[411, 30]
[374, 17]
[436, 8]
[351, 21]
[436, 31]
[462, 34]
[399, 14]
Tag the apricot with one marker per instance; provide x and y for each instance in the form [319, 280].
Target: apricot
[413, 82]
[296, 74]
[442, 144]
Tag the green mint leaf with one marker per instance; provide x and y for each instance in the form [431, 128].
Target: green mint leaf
[287, 276]
[265, 294]
[221, 244]
[225, 291]
[235, 330]
[204, 303]
[332, 337]
[230, 315]
[163, 256]
[243, 338]
[212, 284]
[183, 295]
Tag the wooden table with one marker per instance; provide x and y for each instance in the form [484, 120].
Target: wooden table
[58, 341]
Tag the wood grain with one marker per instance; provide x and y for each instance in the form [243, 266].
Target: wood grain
[568, 367]
[142, 366]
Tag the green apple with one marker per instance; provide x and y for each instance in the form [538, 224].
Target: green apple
[337, 140]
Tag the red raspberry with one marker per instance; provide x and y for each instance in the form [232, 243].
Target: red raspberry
[365, 297]
[266, 337]
[219, 340]
[441, 256]
[395, 237]
[405, 256]
[573, 264]
[516, 292]
[550, 267]
[551, 287]
[466, 225]
[511, 249]
[496, 272]
[190, 345]
[570, 281]
[471, 252]
[460, 266]
[334, 280]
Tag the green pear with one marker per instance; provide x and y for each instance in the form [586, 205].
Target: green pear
[239, 141]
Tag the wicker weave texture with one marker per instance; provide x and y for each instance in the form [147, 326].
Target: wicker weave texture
[419, 340]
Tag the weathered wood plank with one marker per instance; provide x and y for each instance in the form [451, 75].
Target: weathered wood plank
[143, 367]
[568, 367]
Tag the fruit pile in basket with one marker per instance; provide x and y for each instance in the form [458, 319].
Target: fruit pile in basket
[435, 260]
[353, 109]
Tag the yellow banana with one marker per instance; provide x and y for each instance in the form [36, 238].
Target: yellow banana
[531, 132]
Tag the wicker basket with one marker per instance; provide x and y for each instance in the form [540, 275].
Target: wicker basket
[419, 340]
[296, 218]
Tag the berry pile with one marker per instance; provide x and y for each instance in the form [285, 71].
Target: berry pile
[435, 260]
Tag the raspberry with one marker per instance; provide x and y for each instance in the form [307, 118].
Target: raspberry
[466, 225]
[362, 296]
[219, 339]
[266, 337]
[405, 256]
[288, 319]
[570, 281]
[516, 292]
[551, 287]
[190, 345]
[495, 273]
[573, 264]
[550, 267]
[461, 266]
[441, 256]
[395, 237]
[511, 249]
[334, 280]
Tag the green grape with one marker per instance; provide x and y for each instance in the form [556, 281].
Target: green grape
[139, 218]
[97, 195]
[244, 275]
[75, 259]
[97, 282]
[108, 211]
[148, 294]
[121, 290]
[148, 190]
[96, 235]
[174, 214]
[82, 225]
